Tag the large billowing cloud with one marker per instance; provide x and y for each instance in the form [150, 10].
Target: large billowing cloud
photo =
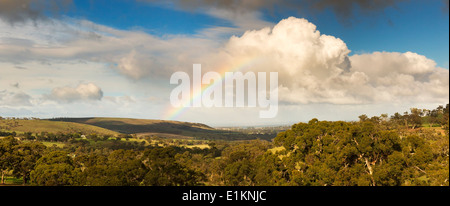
[82, 92]
[406, 76]
[317, 68]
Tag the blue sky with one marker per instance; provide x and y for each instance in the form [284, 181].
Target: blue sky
[114, 58]
[153, 18]
[416, 25]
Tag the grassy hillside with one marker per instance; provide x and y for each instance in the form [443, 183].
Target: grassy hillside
[135, 126]
[38, 126]
[161, 128]
[116, 126]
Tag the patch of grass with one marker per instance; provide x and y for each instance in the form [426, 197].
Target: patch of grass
[135, 140]
[53, 144]
[438, 130]
[277, 149]
[201, 146]
[424, 178]
[426, 125]
[10, 180]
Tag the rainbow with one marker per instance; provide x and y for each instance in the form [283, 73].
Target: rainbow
[173, 113]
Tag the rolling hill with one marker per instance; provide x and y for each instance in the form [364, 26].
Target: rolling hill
[38, 126]
[161, 128]
[117, 126]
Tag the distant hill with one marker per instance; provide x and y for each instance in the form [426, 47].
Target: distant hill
[161, 128]
[38, 126]
[136, 126]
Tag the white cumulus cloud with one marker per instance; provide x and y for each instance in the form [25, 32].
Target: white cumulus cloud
[318, 68]
[8, 98]
[89, 91]
[408, 76]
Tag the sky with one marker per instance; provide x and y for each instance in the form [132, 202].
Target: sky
[335, 60]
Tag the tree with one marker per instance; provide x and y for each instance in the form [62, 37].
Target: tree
[163, 170]
[27, 155]
[128, 169]
[94, 168]
[269, 170]
[418, 112]
[445, 119]
[363, 118]
[384, 117]
[28, 136]
[433, 117]
[415, 118]
[418, 151]
[390, 174]
[239, 164]
[7, 157]
[55, 169]
[397, 118]
[237, 168]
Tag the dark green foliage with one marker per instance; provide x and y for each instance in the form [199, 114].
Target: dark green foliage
[7, 156]
[358, 153]
[26, 155]
[376, 151]
[164, 170]
[55, 169]
[119, 168]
